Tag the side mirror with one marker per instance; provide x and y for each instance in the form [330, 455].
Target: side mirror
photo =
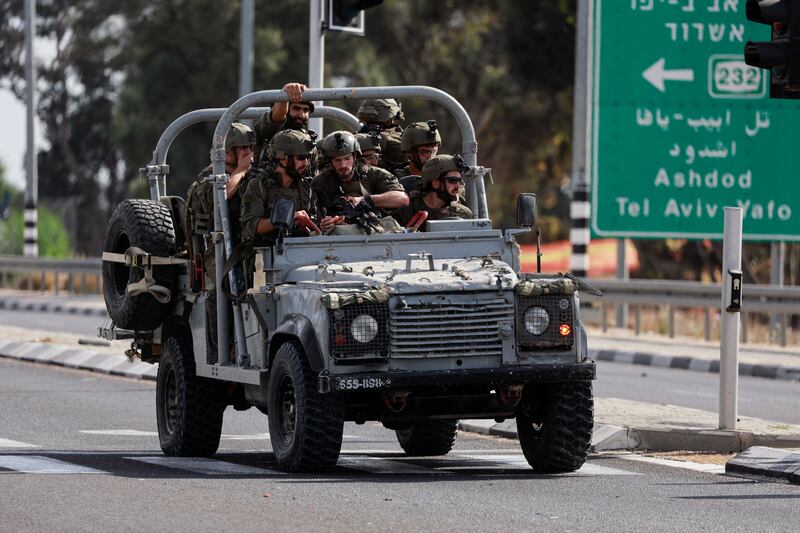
[526, 210]
[282, 216]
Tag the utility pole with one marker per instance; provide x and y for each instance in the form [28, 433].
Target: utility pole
[579, 206]
[30, 233]
[316, 55]
[246, 50]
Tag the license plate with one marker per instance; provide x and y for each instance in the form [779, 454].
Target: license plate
[361, 383]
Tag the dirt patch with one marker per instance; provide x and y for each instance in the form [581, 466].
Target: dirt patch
[695, 457]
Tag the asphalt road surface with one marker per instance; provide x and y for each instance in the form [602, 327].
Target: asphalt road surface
[78, 451]
[770, 399]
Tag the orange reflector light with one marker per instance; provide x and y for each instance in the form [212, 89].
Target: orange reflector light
[564, 330]
[339, 339]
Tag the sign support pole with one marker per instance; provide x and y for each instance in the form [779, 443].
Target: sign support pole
[777, 321]
[30, 233]
[579, 206]
[729, 318]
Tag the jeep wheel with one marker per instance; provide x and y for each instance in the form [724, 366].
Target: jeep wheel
[147, 225]
[305, 427]
[428, 437]
[188, 408]
[554, 424]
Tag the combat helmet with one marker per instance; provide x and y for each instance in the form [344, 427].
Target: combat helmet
[340, 143]
[369, 141]
[438, 165]
[239, 134]
[382, 110]
[291, 142]
[419, 134]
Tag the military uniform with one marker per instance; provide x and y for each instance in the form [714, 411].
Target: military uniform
[200, 217]
[416, 203]
[266, 130]
[261, 194]
[328, 188]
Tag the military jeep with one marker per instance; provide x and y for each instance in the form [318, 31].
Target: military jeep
[413, 329]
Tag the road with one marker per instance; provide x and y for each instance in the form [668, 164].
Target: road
[769, 399]
[79, 451]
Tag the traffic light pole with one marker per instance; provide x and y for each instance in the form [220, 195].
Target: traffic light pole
[729, 318]
[579, 205]
[316, 55]
[30, 233]
[246, 48]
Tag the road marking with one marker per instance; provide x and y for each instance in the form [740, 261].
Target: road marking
[378, 465]
[8, 443]
[588, 469]
[686, 465]
[37, 464]
[202, 465]
[120, 432]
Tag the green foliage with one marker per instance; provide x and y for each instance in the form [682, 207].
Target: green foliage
[53, 239]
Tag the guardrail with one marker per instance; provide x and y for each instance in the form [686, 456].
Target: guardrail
[779, 302]
[52, 275]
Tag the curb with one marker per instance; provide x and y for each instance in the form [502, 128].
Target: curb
[767, 462]
[694, 364]
[12, 304]
[610, 437]
[78, 359]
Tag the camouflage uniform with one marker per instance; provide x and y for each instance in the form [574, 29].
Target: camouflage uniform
[261, 194]
[329, 188]
[453, 210]
[384, 115]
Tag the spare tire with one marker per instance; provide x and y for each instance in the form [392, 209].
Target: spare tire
[144, 224]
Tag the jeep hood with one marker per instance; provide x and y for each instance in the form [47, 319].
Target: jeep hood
[410, 276]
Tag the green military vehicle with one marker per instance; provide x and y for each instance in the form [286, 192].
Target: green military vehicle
[413, 329]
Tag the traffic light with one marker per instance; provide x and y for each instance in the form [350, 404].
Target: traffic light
[348, 15]
[781, 55]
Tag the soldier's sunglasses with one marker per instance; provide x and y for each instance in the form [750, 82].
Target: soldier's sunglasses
[453, 181]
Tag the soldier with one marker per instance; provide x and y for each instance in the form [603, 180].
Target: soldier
[200, 213]
[284, 115]
[286, 175]
[346, 180]
[420, 141]
[370, 147]
[442, 184]
[384, 116]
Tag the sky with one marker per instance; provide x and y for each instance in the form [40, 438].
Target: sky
[12, 138]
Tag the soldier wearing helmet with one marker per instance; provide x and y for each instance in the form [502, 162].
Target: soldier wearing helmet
[293, 114]
[420, 141]
[346, 180]
[442, 183]
[370, 147]
[287, 175]
[239, 144]
[384, 116]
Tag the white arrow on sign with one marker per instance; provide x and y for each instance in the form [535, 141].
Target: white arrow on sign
[656, 74]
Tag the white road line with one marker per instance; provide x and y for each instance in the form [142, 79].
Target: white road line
[588, 469]
[377, 465]
[37, 464]
[202, 465]
[8, 443]
[686, 465]
[120, 432]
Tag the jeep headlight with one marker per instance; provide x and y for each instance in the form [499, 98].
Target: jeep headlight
[536, 320]
[364, 328]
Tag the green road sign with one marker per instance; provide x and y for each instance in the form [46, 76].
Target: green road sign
[681, 127]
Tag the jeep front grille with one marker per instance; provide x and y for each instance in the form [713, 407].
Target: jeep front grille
[465, 329]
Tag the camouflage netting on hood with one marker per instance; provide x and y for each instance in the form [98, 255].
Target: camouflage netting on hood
[537, 287]
[336, 300]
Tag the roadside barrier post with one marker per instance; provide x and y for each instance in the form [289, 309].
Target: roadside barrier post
[729, 318]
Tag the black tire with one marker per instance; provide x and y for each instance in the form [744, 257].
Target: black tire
[188, 408]
[428, 437]
[147, 225]
[305, 427]
[554, 424]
